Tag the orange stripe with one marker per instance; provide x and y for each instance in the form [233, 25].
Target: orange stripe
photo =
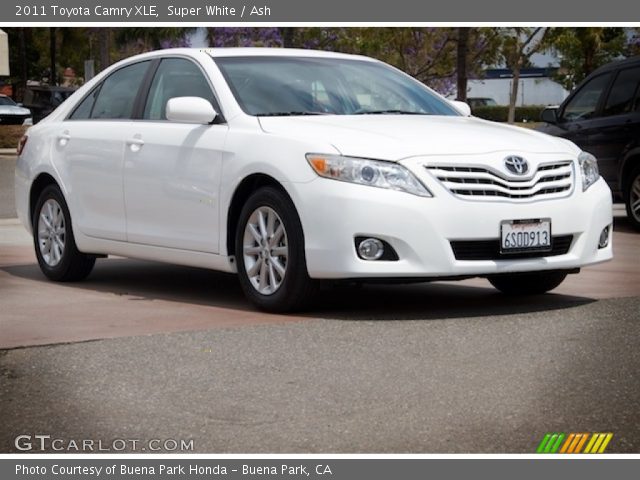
[567, 442]
[584, 439]
[574, 443]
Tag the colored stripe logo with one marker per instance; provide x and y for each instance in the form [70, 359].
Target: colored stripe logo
[574, 443]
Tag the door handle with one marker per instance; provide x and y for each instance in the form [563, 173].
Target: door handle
[64, 138]
[135, 143]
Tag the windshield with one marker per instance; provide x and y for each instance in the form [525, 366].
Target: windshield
[273, 86]
[6, 101]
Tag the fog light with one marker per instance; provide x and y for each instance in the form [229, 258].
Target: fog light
[604, 238]
[370, 249]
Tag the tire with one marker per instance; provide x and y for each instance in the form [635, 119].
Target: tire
[271, 262]
[534, 283]
[53, 239]
[632, 198]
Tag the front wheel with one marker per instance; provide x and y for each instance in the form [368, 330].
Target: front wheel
[534, 283]
[54, 243]
[632, 199]
[270, 253]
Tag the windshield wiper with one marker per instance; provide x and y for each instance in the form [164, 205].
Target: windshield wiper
[288, 114]
[390, 112]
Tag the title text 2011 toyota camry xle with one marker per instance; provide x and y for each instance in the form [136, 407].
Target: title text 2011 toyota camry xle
[292, 167]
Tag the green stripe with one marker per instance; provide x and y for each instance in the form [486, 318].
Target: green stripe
[543, 443]
[555, 448]
[550, 443]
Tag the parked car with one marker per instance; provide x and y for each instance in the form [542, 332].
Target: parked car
[12, 113]
[44, 99]
[293, 167]
[475, 102]
[602, 116]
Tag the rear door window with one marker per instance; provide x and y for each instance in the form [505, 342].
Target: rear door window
[624, 91]
[118, 92]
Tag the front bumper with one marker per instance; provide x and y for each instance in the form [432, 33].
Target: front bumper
[420, 230]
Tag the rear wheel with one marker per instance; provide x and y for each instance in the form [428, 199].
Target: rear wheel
[533, 283]
[55, 246]
[270, 253]
[632, 198]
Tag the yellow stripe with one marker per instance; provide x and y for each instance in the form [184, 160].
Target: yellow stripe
[584, 439]
[591, 442]
[596, 445]
[605, 442]
[567, 442]
[574, 443]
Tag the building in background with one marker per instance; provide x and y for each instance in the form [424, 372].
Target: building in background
[537, 87]
[5, 86]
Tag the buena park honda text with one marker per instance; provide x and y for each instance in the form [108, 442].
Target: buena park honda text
[292, 167]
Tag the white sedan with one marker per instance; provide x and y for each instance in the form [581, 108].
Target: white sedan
[12, 113]
[293, 167]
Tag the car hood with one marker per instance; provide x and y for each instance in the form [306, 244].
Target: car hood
[13, 110]
[395, 137]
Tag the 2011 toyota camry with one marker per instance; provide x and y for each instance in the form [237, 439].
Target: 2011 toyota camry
[291, 167]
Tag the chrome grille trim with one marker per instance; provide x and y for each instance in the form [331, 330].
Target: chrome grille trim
[549, 180]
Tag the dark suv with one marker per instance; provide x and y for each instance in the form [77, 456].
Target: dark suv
[602, 116]
[42, 100]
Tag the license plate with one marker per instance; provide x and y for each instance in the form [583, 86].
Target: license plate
[525, 235]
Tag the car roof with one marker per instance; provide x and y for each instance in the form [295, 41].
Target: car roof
[629, 62]
[252, 52]
[280, 52]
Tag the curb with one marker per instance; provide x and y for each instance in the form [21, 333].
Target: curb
[8, 151]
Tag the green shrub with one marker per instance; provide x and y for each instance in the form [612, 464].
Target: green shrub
[499, 113]
[10, 135]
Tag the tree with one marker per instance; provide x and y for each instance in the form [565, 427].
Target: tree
[583, 49]
[104, 45]
[518, 45]
[245, 37]
[476, 49]
[53, 76]
[461, 60]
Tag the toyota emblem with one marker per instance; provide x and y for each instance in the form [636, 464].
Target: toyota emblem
[517, 165]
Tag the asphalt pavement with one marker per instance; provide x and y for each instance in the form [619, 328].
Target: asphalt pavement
[7, 203]
[494, 383]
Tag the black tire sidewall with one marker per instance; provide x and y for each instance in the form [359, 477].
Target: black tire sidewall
[296, 279]
[635, 173]
[59, 271]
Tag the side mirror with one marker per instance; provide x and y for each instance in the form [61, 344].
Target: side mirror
[462, 107]
[549, 115]
[19, 104]
[190, 110]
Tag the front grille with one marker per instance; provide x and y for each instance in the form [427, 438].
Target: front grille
[551, 180]
[490, 249]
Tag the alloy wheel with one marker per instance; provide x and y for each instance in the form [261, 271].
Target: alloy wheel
[265, 250]
[51, 232]
[634, 198]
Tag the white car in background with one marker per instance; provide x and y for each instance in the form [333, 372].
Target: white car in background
[12, 113]
[291, 167]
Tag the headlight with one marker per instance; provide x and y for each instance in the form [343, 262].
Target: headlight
[374, 173]
[589, 169]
